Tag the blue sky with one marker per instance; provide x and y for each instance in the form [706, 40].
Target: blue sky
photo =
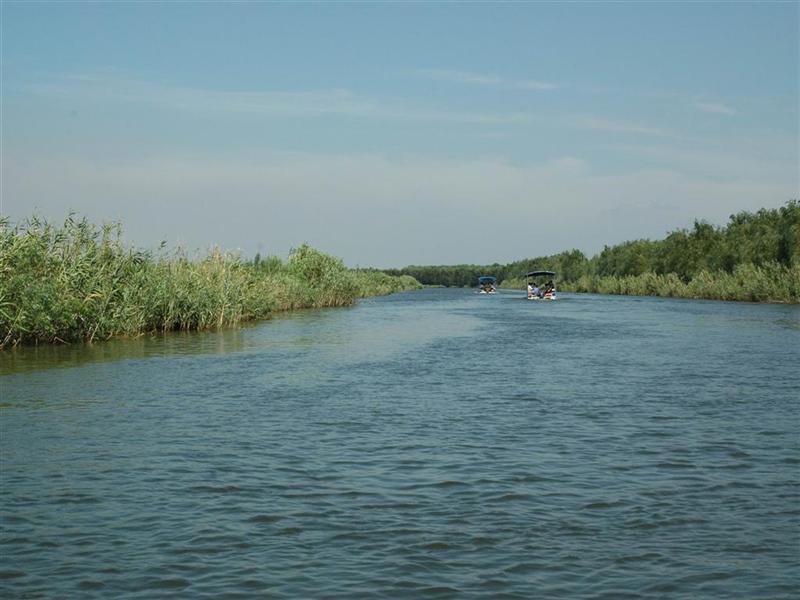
[391, 133]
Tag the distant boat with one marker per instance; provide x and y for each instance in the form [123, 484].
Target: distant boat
[547, 289]
[487, 284]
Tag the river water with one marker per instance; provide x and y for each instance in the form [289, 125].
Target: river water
[430, 444]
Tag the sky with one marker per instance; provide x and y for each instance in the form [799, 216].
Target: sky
[390, 134]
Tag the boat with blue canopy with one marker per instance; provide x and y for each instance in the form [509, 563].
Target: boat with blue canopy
[487, 284]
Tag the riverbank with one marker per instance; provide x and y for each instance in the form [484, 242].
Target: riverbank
[747, 283]
[78, 282]
[754, 258]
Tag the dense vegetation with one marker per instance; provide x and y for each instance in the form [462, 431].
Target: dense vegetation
[756, 257]
[78, 282]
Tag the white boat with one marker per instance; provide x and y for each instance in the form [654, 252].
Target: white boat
[547, 291]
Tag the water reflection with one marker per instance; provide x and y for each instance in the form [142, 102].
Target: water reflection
[33, 358]
[382, 327]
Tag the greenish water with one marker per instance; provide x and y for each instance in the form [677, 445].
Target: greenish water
[429, 444]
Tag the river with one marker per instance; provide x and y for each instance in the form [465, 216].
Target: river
[430, 444]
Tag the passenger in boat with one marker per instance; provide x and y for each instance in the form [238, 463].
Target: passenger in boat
[533, 290]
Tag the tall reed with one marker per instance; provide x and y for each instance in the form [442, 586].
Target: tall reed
[771, 282]
[79, 282]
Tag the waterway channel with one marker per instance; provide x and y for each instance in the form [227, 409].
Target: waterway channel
[429, 444]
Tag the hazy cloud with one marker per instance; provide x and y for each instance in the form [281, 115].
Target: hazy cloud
[536, 85]
[468, 77]
[459, 76]
[318, 103]
[600, 124]
[715, 107]
[314, 103]
[374, 211]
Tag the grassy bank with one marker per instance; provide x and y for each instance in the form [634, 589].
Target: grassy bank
[755, 257]
[79, 282]
[771, 282]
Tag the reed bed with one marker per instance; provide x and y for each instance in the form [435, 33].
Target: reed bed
[377, 283]
[79, 282]
[772, 282]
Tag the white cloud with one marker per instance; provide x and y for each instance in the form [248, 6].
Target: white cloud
[316, 103]
[468, 77]
[601, 124]
[536, 85]
[312, 104]
[768, 158]
[715, 107]
[459, 76]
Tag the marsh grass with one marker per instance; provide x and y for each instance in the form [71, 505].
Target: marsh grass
[370, 282]
[771, 282]
[79, 282]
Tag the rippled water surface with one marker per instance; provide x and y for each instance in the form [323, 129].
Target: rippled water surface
[430, 444]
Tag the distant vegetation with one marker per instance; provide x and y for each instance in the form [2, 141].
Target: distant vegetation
[78, 282]
[755, 257]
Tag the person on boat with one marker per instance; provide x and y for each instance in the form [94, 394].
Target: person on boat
[533, 290]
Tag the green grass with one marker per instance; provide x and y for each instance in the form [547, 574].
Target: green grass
[79, 282]
[771, 282]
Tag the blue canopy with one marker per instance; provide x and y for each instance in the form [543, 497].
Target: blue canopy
[486, 279]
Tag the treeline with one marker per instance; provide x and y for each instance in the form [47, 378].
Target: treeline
[569, 265]
[756, 256]
[78, 282]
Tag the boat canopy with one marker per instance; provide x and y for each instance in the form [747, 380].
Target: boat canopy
[550, 274]
[486, 279]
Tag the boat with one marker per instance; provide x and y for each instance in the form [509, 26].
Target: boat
[487, 284]
[547, 289]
